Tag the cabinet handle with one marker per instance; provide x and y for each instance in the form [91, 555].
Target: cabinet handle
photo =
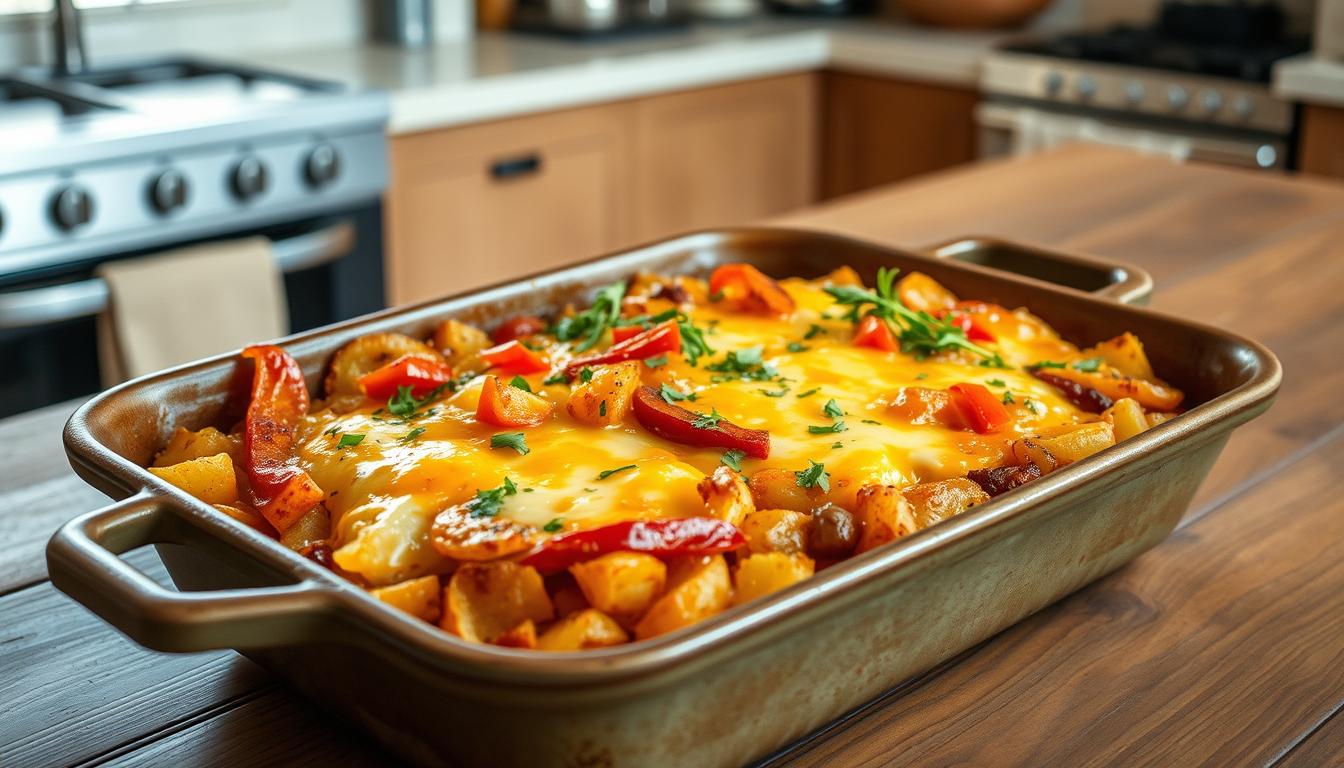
[514, 167]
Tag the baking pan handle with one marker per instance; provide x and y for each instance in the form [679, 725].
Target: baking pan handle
[83, 562]
[1117, 280]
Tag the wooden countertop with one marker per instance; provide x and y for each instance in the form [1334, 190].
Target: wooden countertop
[1224, 645]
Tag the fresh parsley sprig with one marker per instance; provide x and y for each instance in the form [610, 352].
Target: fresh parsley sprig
[590, 324]
[488, 501]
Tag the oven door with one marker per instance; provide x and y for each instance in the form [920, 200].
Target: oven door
[333, 271]
[1016, 129]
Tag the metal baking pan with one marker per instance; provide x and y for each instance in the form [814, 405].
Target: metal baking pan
[721, 692]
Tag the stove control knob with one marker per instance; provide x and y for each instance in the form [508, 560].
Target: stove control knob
[1211, 102]
[248, 179]
[1134, 92]
[1086, 87]
[322, 166]
[71, 207]
[1053, 83]
[168, 192]
[1243, 107]
[1177, 98]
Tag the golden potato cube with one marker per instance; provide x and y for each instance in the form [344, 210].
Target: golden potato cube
[209, 478]
[779, 489]
[419, 597]
[1127, 416]
[776, 530]
[726, 495]
[1125, 354]
[760, 574]
[605, 399]
[932, 502]
[588, 628]
[883, 516]
[621, 584]
[922, 293]
[485, 600]
[1029, 450]
[522, 636]
[186, 445]
[568, 599]
[1080, 442]
[701, 588]
[459, 342]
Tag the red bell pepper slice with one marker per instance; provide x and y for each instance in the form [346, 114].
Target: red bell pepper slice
[751, 289]
[971, 327]
[281, 491]
[662, 338]
[507, 406]
[420, 374]
[517, 328]
[979, 408]
[660, 538]
[513, 357]
[873, 332]
[672, 422]
[620, 333]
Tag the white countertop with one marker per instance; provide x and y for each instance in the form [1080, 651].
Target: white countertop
[506, 74]
[1309, 79]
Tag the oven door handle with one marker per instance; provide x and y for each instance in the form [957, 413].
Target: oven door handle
[70, 301]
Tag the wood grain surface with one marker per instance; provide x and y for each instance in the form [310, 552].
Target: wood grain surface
[1222, 646]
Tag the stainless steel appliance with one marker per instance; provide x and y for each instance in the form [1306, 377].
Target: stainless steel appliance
[1192, 85]
[589, 18]
[118, 161]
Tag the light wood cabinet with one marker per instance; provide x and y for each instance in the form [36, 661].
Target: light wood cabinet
[879, 130]
[484, 203]
[725, 155]
[1322, 149]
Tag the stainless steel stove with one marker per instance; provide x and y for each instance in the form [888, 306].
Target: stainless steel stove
[133, 157]
[1193, 85]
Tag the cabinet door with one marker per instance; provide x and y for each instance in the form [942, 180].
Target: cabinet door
[879, 130]
[724, 155]
[485, 203]
[1322, 150]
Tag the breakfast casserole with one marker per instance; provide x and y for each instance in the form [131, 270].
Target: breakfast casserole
[676, 447]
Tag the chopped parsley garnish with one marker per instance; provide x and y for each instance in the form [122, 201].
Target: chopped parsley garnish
[1034, 406]
[813, 477]
[518, 382]
[556, 378]
[707, 421]
[837, 444]
[797, 346]
[604, 474]
[1008, 398]
[782, 391]
[515, 440]
[809, 392]
[921, 376]
[693, 344]
[920, 333]
[590, 324]
[336, 429]
[838, 426]
[832, 409]
[872, 421]
[996, 382]
[585, 374]
[488, 501]
[410, 436]
[350, 440]
[1089, 365]
[813, 331]
[656, 362]
[672, 395]
[745, 364]
[554, 524]
[407, 406]
[602, 408]
[733, 459]
[648, 321]
[1048, 364]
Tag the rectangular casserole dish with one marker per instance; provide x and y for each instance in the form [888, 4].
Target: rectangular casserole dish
[727, 690]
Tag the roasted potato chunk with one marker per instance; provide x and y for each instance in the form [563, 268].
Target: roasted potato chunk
[1127, 417]
[312, 527]
[522, 636]
[776, 530]
[1125, 354]
[209, 478]
[1030, 450]
[460, 535]
[247, 516]
[460, 343]
[483, 601]
[586, 629]
[932, 502]
[605, 399]
[883, 515]
[701, 588]
[779, 489]
[760, 574]
[186, 445]
[726, 495]
[922, 293]
[621, 584]
[833, 534]
[419, 597]
[369, 353]
[1076, 444]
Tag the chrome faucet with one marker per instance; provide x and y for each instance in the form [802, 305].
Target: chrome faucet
[69, 39]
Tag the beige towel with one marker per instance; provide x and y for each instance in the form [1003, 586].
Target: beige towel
[181, 305]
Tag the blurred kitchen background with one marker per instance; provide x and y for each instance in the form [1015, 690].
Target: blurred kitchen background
[181, 177]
